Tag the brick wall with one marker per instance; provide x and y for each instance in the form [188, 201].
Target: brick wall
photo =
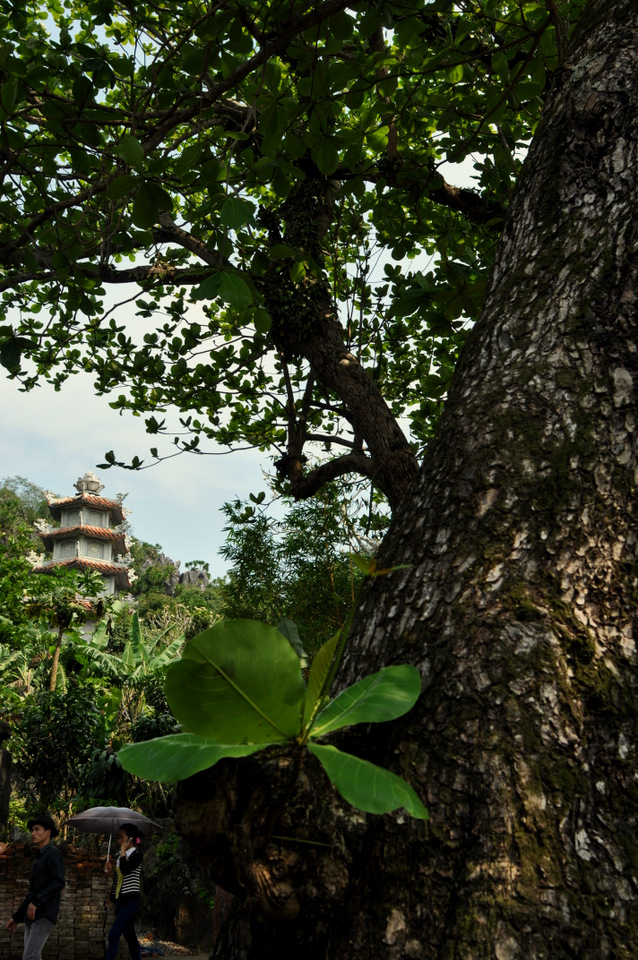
[85, 912]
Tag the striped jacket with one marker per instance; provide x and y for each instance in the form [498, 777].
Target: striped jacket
[130, 868]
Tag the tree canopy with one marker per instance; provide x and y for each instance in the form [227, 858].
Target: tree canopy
[218, 208]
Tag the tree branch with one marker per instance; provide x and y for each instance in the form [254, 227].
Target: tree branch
[472, 205]
[330, 438]
[279, 45]
[305, 485]
[170, 231]
[156, 271]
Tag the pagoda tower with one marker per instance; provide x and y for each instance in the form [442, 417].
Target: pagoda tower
[91, 535]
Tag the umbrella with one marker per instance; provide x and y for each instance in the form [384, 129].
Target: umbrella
[108, 820]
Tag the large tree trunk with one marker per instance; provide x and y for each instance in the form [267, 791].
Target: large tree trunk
[518, 609]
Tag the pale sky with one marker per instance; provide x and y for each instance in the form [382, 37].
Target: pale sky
[53, 438]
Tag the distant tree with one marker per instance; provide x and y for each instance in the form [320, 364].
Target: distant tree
[54, 743]
[21, 504]
[253, 581]
[64, 598]
[160, 595]
[296, 566]
[37, 611]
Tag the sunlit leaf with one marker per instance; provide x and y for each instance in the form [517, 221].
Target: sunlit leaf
[235, 291]
[366, 786]
[178, 756]
[382, 696]
[319, 672]
[238, 682]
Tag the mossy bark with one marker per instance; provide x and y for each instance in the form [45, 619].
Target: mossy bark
[517, 606]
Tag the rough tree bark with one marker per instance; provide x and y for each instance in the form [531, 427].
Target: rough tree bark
[518, 608]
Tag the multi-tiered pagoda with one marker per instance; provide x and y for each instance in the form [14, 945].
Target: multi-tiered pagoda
[91, 535]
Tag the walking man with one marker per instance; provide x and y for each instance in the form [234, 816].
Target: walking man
[41, 906]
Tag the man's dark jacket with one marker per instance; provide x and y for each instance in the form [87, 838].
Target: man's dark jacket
[45, 887]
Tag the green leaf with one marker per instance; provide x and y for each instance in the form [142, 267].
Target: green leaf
[208, 289]
[144, 210]
[341, 25]
[288, 628]
[161, 198]
[59, 260]
[501, 66]
[178, 756]
[298, 271]
[10, 355]
[262, 320]
[528, 89]
[365, 564]
[319, 673]
[281, 251]
[320, 83]
[82, 91]
[366, 786]
[8, 94]
[382, 696]
[238, 682]
[326, 156]
[136, 635]
[131, 150]
[122, 186]
[235, 213]
[188, 159]
[149, 200]
[235, 291]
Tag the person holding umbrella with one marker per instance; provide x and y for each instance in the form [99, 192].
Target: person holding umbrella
[128, 825]
[41, 906]
[125, 892]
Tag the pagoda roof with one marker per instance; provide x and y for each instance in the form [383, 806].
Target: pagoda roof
[107, 569]
[66, 533]
[116, 537]
[86, 499]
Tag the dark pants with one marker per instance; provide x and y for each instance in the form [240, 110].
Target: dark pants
[123, 926]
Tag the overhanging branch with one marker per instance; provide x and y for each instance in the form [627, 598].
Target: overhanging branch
[305, 485]
[467, 202]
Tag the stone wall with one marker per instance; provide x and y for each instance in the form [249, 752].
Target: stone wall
[85, 912]
[5, 774]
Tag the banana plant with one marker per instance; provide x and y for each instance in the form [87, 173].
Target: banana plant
[139, 658]
[238, 689]
[142, 657]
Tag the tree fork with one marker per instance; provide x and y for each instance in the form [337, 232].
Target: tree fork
[305, 325]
